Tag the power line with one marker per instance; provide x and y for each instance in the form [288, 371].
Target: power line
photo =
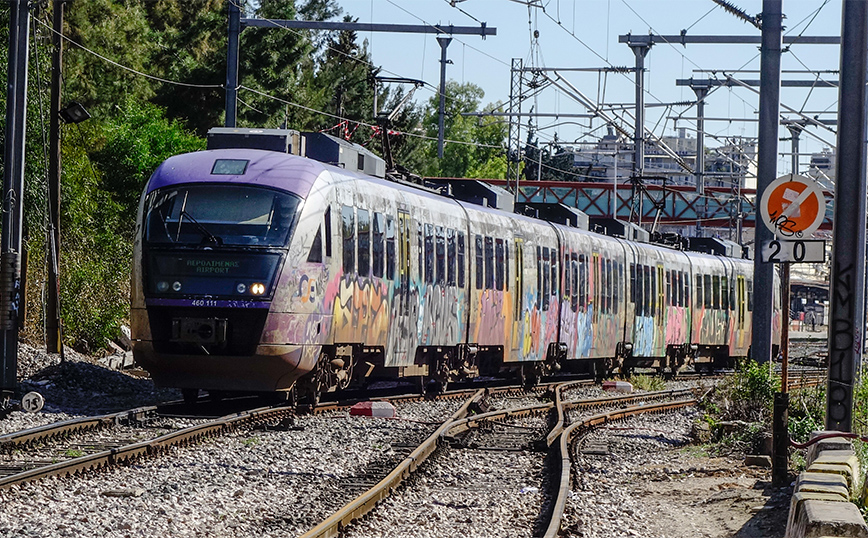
[130, 69]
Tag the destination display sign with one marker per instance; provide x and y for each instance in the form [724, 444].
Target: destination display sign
[227, 265]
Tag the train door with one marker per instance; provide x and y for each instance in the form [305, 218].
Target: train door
[403, 336]
[661, 315]
[518, 327]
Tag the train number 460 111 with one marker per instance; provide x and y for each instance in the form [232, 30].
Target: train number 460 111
[798, 251]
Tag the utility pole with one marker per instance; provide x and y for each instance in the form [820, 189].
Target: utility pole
[13, 180]
[232, 64]
[53, 342]
[513, 152]
[640, 46]
[847, 286]
[441, 122]
[701, 92]
[767, 154]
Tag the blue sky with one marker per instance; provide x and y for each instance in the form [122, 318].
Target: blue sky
[584, 33]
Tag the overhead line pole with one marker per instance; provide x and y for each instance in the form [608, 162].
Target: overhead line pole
[847, 289]
[13, 181]
[53, 342]
[767, 152]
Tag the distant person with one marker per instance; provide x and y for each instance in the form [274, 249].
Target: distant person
[812, 319]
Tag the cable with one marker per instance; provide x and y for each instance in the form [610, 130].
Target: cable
[453, 3]
[130, 69]
[315, 111]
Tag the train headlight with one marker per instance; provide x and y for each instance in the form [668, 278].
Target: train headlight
[176, 286]
[162, 286]
[241, 287]
[257, 288]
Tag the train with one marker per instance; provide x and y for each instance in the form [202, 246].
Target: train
[266, 271]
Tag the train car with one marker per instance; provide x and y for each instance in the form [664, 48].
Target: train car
[261, 271]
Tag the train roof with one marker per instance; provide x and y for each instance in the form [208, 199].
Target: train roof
[258, 167]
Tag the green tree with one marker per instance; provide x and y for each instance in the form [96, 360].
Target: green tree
[473, 141]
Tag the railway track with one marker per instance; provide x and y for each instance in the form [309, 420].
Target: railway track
[75, 446]
[512, 430]
[505, 431]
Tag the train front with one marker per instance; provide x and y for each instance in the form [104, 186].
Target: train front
[214, 233]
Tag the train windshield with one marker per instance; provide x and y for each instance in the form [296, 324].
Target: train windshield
[219, 215]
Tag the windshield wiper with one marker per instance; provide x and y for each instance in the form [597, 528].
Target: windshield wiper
[211, 238]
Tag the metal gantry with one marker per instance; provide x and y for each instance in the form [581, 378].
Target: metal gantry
[237, 24]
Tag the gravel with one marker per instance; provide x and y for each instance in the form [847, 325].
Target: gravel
[463, 493]
[281, 483]
[77, 386]
[255, 483]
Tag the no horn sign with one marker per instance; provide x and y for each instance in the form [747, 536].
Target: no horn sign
[793, 207]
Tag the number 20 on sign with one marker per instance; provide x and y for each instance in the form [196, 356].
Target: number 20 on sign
[798, 251]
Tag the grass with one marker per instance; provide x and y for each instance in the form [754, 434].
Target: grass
[73, 453]
[647, 383]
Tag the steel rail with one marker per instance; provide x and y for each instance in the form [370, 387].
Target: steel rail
[554, 526]
[460, 426]
[334, 524]
[75, 425]
[146, 448]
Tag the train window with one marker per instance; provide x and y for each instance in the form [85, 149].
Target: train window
[679, 299]
[226, 215]
[648, 287]
[327, 231]
[538, 271]
[499, 263]
[616, 290]
[377, 247]
[653, 290]
[583, 282]
[640, 291]
[315, 255]
[489, 263]
[706, 290]
[686, 289]
[450, 257]
[420, 236]
[732, 294]
[546, 269]
[390, 247]
[348, 232]
[724, 293]
[506, 264]
[441, 255]
[461, 259]
[698, 295]
[633, 283]
[554, 259]
[608, 301]
[429, 253]
[750, 295]
[574, 274]
[519, 278]
[364, 242]
[715, 292]
[480, 264]
[669, 288]
[567, 288]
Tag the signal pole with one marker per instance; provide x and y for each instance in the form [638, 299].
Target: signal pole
[13, 180]
[847, 289]
[52, 309]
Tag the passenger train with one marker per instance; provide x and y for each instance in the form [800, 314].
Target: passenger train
[260, 271]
